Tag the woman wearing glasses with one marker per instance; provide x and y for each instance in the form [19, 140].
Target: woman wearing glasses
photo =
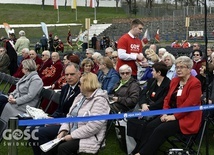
[184, 91]
[126, 91]
[26, 92]
[84, 136]
[197, 60]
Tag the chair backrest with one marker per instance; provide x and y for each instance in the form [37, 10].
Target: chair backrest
[3, 126]
[55, 98]
[45, 94]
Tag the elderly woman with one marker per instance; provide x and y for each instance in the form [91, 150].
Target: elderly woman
[126, 91]
[4, 60]
[26, 92]
[87, 65]
[184, 91]
[114, 57]
[107, 75]
[169, 60]
[84, 136]
[152, 58]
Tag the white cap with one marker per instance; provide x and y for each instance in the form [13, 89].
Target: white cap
[22, 33]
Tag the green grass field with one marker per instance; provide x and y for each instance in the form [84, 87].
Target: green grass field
[32, 14]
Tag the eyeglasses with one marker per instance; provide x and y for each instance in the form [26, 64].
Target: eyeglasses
[123, 73]
[114, 57]
[180, 67]
[71, 74]
[87, 53]
[196, 54]
[64, 59]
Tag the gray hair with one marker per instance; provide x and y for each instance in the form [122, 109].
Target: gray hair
[96, 55]
[90, 50]
[46, 52]
[167, 54]
[184, 60]
[76, 66]
[29, 64]
[26, 50]
[109, 49]
[125, 66]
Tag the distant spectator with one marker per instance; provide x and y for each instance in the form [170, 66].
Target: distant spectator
[9, 45]
[94, 41]
[56, 44]
[85, 42]
[44, 43]
[176, 44]
[185, 44]
[50, 42]
[37, 47]
[4, 60]
[89, 52]
[153, 47]
[107, 75]
[25, 55]
[36, 58]
[108, 51]
[61, 46]
[169, 60]
[47, 62]
[197, 60]
[86, 66]
[210, 50]
[114, 57]
[161, 52]
[20, 44]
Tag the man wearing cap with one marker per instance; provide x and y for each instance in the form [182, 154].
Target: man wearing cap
[20, 44]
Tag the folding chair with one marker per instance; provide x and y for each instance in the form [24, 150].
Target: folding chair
[8, 80]
[3, 126]
[2, 75]
[55, 98]
[186, 142]
[45, 94]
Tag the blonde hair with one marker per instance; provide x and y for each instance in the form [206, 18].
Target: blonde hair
[87, 61]
[150, 54]
[29, 64]
[90, 82]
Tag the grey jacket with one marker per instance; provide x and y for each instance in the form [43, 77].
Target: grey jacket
[26, 93]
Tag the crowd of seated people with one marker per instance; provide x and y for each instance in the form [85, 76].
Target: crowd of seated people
[119, 88]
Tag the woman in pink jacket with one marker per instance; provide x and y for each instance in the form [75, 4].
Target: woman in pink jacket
[84, 136]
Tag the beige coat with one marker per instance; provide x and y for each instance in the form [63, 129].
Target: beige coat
[90, 133]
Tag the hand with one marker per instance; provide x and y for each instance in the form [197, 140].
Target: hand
[163, 118]
[145, 107]
[140, 57]
[52, 86]
[67, 138]
[170, 118]
[115, 99]
[62, 134]
[11, 99]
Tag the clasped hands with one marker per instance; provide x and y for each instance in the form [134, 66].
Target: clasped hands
[167, 118]
[11, 99]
